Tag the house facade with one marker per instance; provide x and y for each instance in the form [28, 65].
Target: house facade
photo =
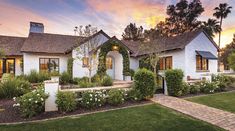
[193, 52]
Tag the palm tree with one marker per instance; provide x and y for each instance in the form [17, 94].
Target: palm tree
[221, 13]
[211, 27]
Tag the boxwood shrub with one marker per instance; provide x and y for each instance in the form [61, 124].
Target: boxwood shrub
[144, 83]
[174, 81]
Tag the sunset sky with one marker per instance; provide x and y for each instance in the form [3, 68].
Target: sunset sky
[61, 16]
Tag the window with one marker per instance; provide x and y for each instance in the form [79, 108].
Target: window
[49, 64]
[201, 63]
[109, 63]
[85, 62]
[165, 63]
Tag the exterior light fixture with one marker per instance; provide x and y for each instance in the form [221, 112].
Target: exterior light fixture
[115, 48]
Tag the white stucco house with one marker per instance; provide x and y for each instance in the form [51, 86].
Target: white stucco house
[193, 52]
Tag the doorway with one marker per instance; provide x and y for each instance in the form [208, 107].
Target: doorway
[7, 65]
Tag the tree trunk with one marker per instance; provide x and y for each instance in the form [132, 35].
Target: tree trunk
[221, 20]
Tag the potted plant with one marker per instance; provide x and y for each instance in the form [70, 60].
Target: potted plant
[55, 76]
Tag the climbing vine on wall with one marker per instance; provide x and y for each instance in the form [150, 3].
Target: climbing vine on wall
[70, 66]
[104, 51]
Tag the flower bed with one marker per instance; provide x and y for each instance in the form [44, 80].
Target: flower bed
[10, 114]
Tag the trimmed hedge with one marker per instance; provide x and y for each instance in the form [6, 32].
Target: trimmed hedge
[174, 81]
[144, 83]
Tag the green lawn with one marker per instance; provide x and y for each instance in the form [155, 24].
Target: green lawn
[224, 101]
[146, 118]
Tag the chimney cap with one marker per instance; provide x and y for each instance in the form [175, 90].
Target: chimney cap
[36, 23]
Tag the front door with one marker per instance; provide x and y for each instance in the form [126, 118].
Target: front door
[110, 66]
[7, 66]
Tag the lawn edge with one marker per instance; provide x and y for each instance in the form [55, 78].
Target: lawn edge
[76, 115]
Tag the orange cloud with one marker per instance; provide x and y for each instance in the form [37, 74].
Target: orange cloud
[139, 11]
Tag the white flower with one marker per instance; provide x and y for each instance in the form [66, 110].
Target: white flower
[87, 102]
[90, 95]
[98, 99]
[42, 99]
[99, 104]
[122, 99]
[135, 98]
[29, 99]
[14, 98]
[36, 102]
[38, 94]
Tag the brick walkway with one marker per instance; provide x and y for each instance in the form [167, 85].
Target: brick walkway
[211, 115]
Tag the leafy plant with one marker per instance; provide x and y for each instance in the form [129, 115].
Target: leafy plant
[85, 84]
[32, 103]
[185, 88]
[65, 78]
[208, 87]
[194, 88]
[115, 97]
[66, 101]
[144, 81]
[107, 81]
[14, 88]
[6, 77]
[174, 81]
[134, 95]
[93, 99]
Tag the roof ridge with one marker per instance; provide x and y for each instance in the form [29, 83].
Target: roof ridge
[55, 34]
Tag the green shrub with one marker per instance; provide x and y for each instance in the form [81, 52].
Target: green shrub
[42, 76]
[96, 79]
[54, 73]
[185, 88]
[208, 87]
[92, 99]
[115, 97]
[194, 88]
[132, 72]
[134, 95]
[76, 80]
[66, 101]
[6, 77]
[65, 78]
[35, 77]
[32, 103]
[144, 82]
[222, 81]
[32, 77]
[107, 81]
[84, 84]
[174, 81]
[14, 88]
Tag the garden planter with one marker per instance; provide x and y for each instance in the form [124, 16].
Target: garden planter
[127, 78]
[55, 78]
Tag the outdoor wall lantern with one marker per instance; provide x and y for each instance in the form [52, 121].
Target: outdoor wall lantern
[115, 48]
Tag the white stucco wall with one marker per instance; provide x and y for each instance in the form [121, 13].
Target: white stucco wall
[200, 43]
[31, 61]
[18, 70]
[78, 70]
[134, 63]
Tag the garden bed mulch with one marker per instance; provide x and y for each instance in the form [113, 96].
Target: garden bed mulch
[9, 114]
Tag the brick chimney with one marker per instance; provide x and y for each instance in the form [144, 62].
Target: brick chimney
[36, 27]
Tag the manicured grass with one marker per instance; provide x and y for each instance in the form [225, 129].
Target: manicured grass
[146, 118]
[224, 101]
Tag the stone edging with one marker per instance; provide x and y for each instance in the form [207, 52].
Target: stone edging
[74, 116]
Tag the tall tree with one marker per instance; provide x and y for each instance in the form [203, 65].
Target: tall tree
[221, 13]
[183, 16]
[132, 32]
[87, 52]
[226, 51]
[211, 27]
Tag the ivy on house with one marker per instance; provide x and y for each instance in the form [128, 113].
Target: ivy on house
[102, 57]
[70, 66]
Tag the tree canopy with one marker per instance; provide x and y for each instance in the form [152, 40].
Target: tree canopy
[132, 32]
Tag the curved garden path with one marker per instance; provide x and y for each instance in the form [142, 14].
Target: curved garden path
[211, 115]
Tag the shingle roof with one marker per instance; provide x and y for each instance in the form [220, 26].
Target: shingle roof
[164, 43]
[50, 43]
[11, 45]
